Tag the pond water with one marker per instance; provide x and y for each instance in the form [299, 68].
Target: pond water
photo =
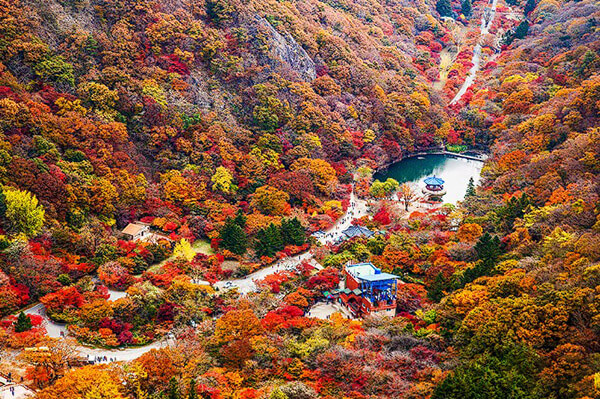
[455, 171]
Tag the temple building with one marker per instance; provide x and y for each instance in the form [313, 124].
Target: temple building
[434, 187]
[367, 290]
[357, 231]
[136, 231]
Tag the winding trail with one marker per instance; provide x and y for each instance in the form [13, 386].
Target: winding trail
[356, 209]
[487, 19]
[12, 390]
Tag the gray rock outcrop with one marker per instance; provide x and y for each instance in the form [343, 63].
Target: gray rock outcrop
[286, 49]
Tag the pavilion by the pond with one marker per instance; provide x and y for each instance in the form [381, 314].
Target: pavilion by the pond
[367, 290]
[434, 187]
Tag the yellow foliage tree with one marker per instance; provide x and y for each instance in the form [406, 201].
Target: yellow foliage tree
[23, 211]
[270, 200]
[90, 382]
[183, 249]
[223, 180]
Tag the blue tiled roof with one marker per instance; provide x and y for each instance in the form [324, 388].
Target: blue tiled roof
[378, 277]
[434, 181]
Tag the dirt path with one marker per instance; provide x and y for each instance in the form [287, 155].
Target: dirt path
[487, 19]
[447, 57]
[446, 60]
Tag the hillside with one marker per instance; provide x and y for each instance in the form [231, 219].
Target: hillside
[165, 164]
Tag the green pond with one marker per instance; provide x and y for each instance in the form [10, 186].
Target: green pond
[455, 171]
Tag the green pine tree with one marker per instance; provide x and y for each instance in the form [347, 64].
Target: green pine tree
[514, 209]
[509, 373]
[292, 232]
[466, 8]
[470, 188]
[240, 219]
[234, 237]
[23, 323]
[522, 29]
[444, 8]
[192, 394]
[588, 64]
[173, 389]
[219, 10]
[529, 6]
[488, 250]
[268, 241]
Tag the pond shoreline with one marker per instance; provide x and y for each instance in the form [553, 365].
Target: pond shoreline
[455, 169]
[481, 157]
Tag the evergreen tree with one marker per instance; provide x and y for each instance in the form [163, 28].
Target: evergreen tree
[515, 208]
[292, 232]
[466, 8]
[488, 250]
[436, 289]
[2, 204]
[529, 6]
[444, 8]
[192, 394]
[508, 374]
[470, 188]
[587, 65]
[234, 237]
[219, 10]
[173, 389]
[23, 323]
[240, 219]
[268, 241]
[522, 29]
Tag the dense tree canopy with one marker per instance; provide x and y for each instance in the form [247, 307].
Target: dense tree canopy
[226, 133]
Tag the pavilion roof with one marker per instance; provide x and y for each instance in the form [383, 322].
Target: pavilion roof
[434, 181]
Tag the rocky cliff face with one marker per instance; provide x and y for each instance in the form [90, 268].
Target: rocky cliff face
[288, 52]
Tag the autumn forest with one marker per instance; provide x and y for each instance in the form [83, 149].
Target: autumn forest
[191, 207]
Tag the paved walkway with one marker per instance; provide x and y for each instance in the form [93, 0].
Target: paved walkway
[357, 208]
[324, 310]
[124, 354]
[248, 284]
[10, 390]
[53, 329]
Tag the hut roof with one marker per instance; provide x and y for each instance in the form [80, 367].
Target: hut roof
[133, 229]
